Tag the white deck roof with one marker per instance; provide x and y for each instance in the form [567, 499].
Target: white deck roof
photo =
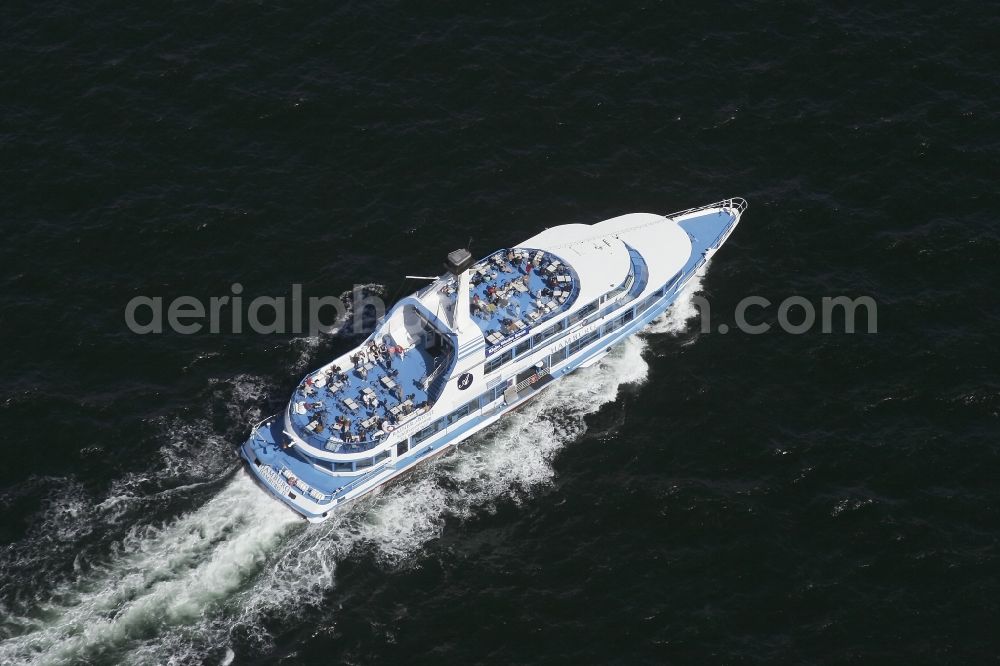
[601, 264]
[662, 243]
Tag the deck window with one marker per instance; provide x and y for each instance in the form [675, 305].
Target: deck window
[672, 282]
[545, 335]
[487, 398]
[557, 356]
[577, 345]
[427, 432]
[463, 411]
[584, 311]
[494, 364]
[619, 321]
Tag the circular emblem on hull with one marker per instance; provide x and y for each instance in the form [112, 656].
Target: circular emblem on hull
[464, 381]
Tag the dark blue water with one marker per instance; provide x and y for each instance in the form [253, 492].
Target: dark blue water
[698, 498]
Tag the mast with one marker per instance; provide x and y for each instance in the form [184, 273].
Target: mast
[458, 265]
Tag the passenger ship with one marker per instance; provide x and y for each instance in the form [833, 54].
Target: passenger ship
[477, 342]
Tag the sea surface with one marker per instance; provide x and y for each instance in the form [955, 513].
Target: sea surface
[697, 498]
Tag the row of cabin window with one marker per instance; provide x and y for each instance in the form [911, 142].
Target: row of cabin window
[494, 364]
[560, 355]
[496, 392]
[628, 316]
[402, 447]
[577, 345]
[619, 321]
[657, 295]
[555, 357]
[586, 312]
[616, 323]
[360, 464]
[460, 413]
[620, 289]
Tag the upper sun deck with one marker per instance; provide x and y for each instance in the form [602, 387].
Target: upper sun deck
[514, 290]
[352, 404]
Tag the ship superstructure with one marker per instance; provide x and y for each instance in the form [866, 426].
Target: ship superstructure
[473, 344]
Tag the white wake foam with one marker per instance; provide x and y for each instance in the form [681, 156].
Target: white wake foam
[178, 592]
[157, 575]
[308, 345]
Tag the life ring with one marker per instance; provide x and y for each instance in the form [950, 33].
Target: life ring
[388, 427]
[534, 378]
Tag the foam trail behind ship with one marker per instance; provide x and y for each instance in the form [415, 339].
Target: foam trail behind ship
[178, 592]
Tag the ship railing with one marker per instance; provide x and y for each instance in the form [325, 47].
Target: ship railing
[288, 473]
[364, 478]
[734, 204]
[254, 430]
[431, 378]
[262, 422]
